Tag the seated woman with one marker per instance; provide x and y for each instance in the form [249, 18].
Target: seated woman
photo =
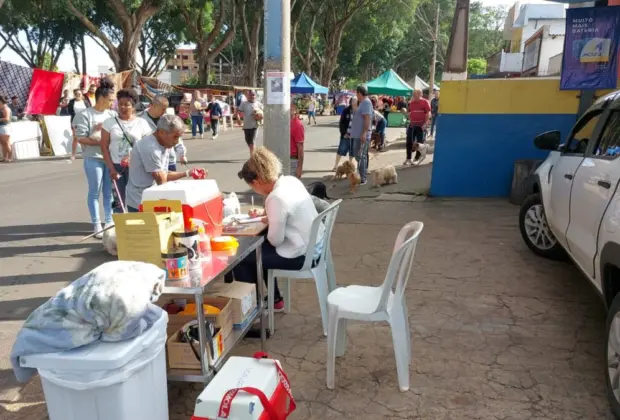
[289, 210]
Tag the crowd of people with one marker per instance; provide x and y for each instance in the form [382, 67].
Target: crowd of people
[366, 115]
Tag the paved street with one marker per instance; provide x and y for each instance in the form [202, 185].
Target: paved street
[497, 332]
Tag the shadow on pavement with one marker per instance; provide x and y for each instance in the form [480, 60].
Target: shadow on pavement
[24, 232]
[20, 309]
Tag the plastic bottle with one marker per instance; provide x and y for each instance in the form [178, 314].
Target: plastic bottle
[204, 240]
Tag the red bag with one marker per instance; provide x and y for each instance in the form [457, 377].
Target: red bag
[278, 407]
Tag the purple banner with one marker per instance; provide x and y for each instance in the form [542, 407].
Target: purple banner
[590, 59]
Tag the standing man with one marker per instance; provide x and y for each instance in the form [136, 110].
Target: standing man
[215, 113]
[152, 115]
[149, 160]
[16, 110]
[434, 111]
[419, 115]
[361, 130]
[89, 97]
[252, 111]
[297, 143]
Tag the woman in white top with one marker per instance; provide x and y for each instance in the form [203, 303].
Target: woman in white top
[119, 135]
[289, 210]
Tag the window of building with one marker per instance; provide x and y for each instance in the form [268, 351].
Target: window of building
[170, 67]
[185, 68]
[185, 56]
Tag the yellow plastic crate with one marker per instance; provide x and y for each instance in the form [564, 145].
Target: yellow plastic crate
[143, 236]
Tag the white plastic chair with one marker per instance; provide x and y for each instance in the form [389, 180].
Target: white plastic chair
[323, 273]
[384, 303]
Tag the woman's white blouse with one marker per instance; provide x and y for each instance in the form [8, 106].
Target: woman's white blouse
[290, 212]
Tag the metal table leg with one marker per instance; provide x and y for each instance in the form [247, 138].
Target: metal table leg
[260, 285]
[202, 334]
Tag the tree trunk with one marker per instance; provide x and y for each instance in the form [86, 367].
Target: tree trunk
[330, 59]
[83, 48]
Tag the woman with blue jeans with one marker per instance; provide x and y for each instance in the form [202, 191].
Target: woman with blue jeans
[88, 126]
[197, 114]
[118, 137]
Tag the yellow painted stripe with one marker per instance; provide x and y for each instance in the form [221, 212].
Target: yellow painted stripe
[508, 96]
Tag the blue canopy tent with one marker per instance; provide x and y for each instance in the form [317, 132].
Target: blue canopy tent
[303, 84]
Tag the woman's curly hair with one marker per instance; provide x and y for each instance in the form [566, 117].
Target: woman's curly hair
[263, 166]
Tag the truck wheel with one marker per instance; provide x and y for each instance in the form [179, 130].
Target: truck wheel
[535, 230]
[612, 353]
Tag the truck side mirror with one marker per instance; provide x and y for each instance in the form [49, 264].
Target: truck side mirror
[549, 140]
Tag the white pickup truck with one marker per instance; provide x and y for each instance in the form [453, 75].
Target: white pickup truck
[574, 210]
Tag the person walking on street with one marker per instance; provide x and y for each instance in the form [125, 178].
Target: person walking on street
[215, 113]
[361, 131]
[434, 111]
[312, 110]
[379, 123]
[345, 146]
[5, 131]
[252, 111]
[419, 116]
[88, 126]
[90, 96]
[119, 135]
[298, 134]
[197, 114]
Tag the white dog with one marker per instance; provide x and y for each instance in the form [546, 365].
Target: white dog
[384, 176]
[109, 242]
[424, 149]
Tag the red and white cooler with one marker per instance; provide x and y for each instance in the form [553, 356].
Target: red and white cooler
[200, 199]
[246, 389]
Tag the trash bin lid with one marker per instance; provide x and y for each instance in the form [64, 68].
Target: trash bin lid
[99, 355]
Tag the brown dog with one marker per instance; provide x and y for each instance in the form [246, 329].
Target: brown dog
[354, 181]
[344, 170]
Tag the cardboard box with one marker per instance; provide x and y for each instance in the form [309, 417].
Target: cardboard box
[223, 321]
[243, 296]
[181, 356]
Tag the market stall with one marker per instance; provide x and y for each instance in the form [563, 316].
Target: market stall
[303, 86]
[391, 84]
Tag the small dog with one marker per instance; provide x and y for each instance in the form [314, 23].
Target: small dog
[354, 181]
[344, 170]
[424, 149]
[319, 190]
[109, 242]
[384, 176]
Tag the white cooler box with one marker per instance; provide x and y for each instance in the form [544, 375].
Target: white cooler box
[200, 199]
[220, 401]
[125, 380]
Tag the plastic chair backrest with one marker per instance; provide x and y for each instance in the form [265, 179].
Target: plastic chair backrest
[328, 216]
[400, 263]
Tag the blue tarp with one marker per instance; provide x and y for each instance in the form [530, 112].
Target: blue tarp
[303, 84]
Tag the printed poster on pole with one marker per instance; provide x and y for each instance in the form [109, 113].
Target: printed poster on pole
[275, 86]
[590, 59]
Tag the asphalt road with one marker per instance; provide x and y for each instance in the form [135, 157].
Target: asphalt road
[43, 214]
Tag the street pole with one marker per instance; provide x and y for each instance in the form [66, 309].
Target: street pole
[434, 57]
[276, 132]
[455, 66]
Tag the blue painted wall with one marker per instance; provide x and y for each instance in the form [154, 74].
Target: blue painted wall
[475, 153]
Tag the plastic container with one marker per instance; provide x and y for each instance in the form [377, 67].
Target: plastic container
[176, 264]
[125, 380]
[189, 240]
[224, 244]
[200, 199]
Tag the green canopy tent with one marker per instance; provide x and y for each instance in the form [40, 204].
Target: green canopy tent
[389, 83]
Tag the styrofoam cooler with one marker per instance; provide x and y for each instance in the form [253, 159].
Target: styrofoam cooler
[125, 380]
[218, 402]
[200, 198]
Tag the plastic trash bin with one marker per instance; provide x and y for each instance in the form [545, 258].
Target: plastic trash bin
[125, 380]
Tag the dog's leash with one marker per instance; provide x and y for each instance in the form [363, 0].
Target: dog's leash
[118, 195]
